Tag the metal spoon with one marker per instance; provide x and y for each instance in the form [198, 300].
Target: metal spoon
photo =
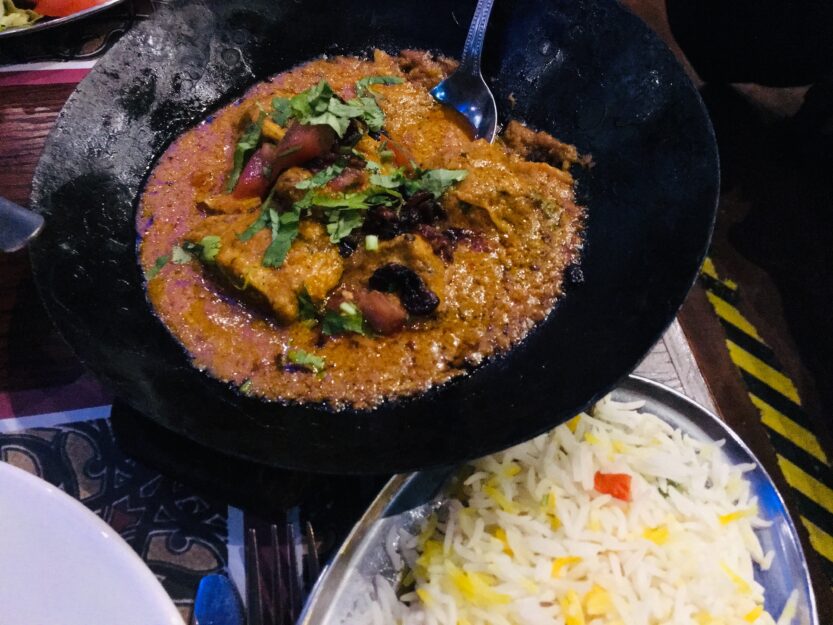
[465, 90]
[18, 226]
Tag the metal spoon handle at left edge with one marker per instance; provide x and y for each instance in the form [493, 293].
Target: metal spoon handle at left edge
[18, 226]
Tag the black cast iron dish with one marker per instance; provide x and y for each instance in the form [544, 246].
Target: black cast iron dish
[586, 71]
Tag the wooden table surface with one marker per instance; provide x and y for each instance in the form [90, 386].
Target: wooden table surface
[32, 355]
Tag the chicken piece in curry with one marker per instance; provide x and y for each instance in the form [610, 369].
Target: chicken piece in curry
[336, 236]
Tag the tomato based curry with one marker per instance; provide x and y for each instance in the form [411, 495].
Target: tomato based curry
[337, 236]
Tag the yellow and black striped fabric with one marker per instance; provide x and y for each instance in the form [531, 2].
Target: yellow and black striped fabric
[801, 458]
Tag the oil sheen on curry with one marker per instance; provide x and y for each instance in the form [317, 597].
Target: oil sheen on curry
[337, 236]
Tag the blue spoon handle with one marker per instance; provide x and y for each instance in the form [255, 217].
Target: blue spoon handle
[217, 602]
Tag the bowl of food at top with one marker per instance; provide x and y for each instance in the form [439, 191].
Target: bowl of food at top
[306, 261]
[20, 17]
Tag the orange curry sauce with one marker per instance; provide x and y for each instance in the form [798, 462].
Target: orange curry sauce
[517, 198]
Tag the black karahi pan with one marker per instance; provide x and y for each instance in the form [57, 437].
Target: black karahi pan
[587, 71]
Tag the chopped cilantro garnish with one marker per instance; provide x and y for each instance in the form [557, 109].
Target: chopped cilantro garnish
[371, 114]
[245, 146]
[320, 105]
[317, 105]
[389, 181]
[179, 256]
[346, 211]
[364, 83]
[437, 181]
[342, 222]
[322, 177]
[306, 309]
[246, 387]
[281, 111]
[206, 250]
[371, 165]
[262, 220]
[304, 359]
[161, 261]
[337, 115]
[347, 319]
[284, 232]
[210, 248]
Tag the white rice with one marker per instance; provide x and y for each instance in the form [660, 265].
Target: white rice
[531, 542]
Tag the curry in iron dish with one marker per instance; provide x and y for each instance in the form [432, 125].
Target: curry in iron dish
[337, 236]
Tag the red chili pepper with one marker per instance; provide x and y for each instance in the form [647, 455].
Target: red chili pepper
[614, 484]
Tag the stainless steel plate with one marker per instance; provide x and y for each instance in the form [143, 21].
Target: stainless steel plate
[409, 498]
[47, 23]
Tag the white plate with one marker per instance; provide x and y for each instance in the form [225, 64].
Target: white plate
[409, 498]
[60, 564]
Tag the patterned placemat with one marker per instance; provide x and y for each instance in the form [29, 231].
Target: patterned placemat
[180, 533]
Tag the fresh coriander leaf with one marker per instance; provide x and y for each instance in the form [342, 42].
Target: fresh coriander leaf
[210, 248]
[314, 101]
[206, 250]
[320, 105]
[371, 196]
[345, 212]
[390, 181]
[371, 114]
[278, 249]
[337, 115]
[364, 83]
[345, 200]
[437, 181]
[320, 93]
[337, 107]
[161, 261]
[180, 256]
[322, 177]
[262, 220]
[306, 309]
[281, 111]
[299, 357]
[371, 165]
[339, 124]
[284, 232]
[347, 319]
[245, 146]
[274, 221]
[342, 222]
[300, 105]
[383, 197]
